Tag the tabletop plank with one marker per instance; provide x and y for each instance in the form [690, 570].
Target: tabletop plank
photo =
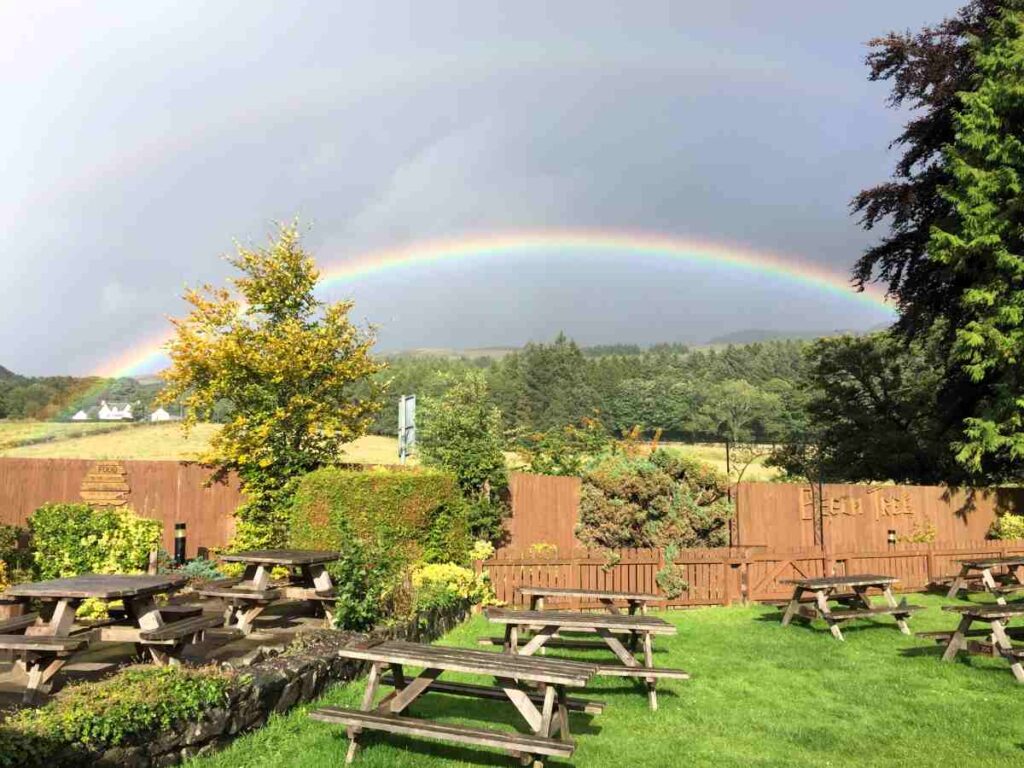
[535, 669]
[991, 562]
[103, 586]
[283, 557]
[986, 612]
[596, 594]
[571, 619]
[856, 580]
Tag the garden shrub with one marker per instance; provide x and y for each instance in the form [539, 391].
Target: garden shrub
[15, 556]
[1008, 526]
[447, 585]
[70, 539]
[91, 717]
[660, 500]
[382, 522]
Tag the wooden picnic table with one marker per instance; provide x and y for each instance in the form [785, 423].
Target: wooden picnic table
[998, 634]
[851, 595]
[246, 598]
[982, 568]
[546, 625]
[545, 710]
[636, 601]
[44, 645]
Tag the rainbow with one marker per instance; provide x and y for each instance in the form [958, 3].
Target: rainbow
[149, 355]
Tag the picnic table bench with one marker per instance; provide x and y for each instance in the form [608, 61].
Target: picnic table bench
[249, 596]
[609, 627]
[999, 635]
[851, 594]
[636, 601]
[44, 645]
[982, 569]
[546, 712]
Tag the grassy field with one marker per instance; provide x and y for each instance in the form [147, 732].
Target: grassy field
[761, 695]
[14, 433]
[165, 441]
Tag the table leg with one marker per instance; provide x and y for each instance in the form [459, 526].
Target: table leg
[522, 702]
[372, 681]
[401, 699]
[821, 601]
[958, 639]
[890, 599]
[990, 584]
[652, 694]
[547, 712]
[611, 606]
[1001, 639]
[793, 607]
[147, 616]
[39, 677]
[959, 582]
[537, 641]
[320, 578]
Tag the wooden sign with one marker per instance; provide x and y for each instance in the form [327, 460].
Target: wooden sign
[106, 485]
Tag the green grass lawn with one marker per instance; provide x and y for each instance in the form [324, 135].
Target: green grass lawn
[760, 695]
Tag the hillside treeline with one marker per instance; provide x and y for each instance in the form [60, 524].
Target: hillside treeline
[748, 392]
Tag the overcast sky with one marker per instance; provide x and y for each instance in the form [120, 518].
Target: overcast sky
[140, 140]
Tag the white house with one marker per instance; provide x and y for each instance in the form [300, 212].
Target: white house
[80, 416]
[160, 415]
[114, 412]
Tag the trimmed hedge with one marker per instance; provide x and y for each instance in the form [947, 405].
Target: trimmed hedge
[420, 515]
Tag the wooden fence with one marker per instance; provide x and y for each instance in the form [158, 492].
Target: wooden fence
[728, 575]
[168, 491]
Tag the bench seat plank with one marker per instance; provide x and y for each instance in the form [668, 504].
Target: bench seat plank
[839, 614]
[570, 620]
[229, 588]
[429, 729]
[178, 629]
[619, 670]
[41, 643]
[17, 623]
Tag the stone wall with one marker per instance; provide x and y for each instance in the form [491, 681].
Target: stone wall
[275, 683]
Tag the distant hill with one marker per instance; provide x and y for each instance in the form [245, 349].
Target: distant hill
[6, 374]
[753, 335]
[446, 352]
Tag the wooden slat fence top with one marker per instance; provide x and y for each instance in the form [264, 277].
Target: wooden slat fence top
[992, 562]
[282, 557]
[99, 585]
[987, 611]
[857, 580]
[596, 594]
[572, 619]
[533, 668]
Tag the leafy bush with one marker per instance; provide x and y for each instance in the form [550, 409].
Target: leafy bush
[1008, 526]
[670, 578]
[658, 501]
[447, 585]
[70, 539]
[382, 522]
[14, 555]
[199, 570]
[120, 710]
[566, 450]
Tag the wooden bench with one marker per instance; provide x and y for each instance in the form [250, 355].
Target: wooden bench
[176, 630]
[519, 744]
[18, 623]
[851, 593]
[41, 643]
[839, 614]
[228, 588]
[589, 706]
[618, 670]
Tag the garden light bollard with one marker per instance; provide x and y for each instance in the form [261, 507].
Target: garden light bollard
[179, 543]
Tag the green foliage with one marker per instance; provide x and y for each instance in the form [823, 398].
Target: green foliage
[981, 247]
[1008, 526]
[295, 370]
[737, 410]
[382, 523]
[658, 501]
[199, 570]
[461, 432]
[874, 412]
[566, 450]
[671, 578]
[135, 704]
[447, 585]
[71, 539]
[16, 557]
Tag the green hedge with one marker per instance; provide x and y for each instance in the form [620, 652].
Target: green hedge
[419, 514]
[124, 709]
[382, 522]
[70, 539]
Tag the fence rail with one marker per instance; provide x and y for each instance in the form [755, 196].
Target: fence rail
[727, 575]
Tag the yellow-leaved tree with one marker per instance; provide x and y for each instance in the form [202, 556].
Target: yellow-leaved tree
[295, 373]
